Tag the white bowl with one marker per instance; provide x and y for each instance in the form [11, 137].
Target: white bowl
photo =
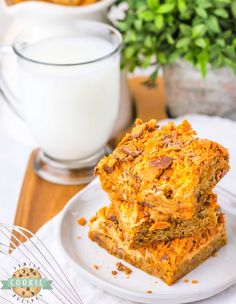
[55, 9]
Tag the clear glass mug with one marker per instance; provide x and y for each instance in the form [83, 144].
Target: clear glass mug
[69, 76]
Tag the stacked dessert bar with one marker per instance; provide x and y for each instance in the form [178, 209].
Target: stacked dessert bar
[163, 217]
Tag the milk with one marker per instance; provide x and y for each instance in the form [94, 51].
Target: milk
[71, 110]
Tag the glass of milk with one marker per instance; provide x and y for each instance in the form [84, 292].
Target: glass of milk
[69, 78]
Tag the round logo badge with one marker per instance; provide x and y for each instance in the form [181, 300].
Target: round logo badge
[27, 273]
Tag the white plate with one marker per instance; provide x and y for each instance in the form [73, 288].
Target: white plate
[214, 275]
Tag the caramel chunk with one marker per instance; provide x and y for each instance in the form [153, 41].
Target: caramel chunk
[161, 163]
[130, 150]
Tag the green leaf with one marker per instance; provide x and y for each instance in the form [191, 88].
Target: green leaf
[148, 41]
[138, 24]
[204, 3]
[159, 22]
[170, 39]
[203, 68]
[122, 26]
[219, 61]
[230, 64]
[146, 62]
[198, 30]
[202, 62]
[223, 1]
[174, 56]
[182, 6]
[221, 13]
[151, 81]
[185, 29]
[201, 12]
[130, 37]
[213, 24]
[162, 58]
[154, 75]
[233, 8]
[165, 8]
[170, 19]
[153, 4]
[146, 15]
[201, 42]
[129, 52]
[183, 42]
[220, 42]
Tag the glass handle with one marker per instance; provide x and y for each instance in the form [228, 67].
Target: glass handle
[5, 90]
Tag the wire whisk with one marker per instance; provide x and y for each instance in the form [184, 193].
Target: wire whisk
[19, 248]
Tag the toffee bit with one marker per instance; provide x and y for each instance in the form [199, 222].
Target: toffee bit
[195, 281]
[122, 267]
[114, 272]
[186, 280]
[95, 266]
[148, 291]
[130, 151]
[82, 221]
[137, 132]
[162, 162]
[107, 169]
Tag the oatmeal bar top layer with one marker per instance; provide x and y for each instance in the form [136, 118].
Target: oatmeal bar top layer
[168, 260]
[168, 167]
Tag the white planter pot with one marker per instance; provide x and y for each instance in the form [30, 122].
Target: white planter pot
[187, 92]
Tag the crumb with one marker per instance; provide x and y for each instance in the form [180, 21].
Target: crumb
[79, 237]
[186, 280]
[149, 291]
[114, 272]
[214, 254]
[95, 266]
[82, 221]
[195, 281]
[155, 282]
[122, 267]
[127, 277]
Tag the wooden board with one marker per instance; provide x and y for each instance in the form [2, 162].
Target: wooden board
[39, 200]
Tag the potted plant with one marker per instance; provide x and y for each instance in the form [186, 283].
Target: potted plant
[195, 44]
